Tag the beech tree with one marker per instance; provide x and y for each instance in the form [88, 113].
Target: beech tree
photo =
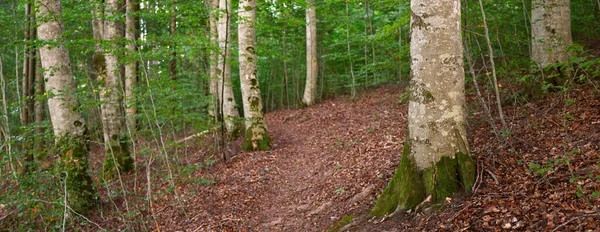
[256, 137]
[227, 103]
[435, 160]
[551, 31]
[214, 57]
[116, 140]
[68, 126]
[131, 67]
[310, 89]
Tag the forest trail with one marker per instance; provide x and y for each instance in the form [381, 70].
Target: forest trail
[331, 160]
[328, 161]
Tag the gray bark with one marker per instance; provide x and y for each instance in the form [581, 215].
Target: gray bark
[256, 130]
[310, 90]
[551, 31]
[131, 67]
[224, 89]
[436, 109]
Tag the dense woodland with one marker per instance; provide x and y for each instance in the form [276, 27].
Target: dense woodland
[167, 114]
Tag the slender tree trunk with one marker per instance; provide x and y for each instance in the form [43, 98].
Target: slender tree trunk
[256, 138]
[173, 26]
[131, 70]
[435, 161]
[214, 56]
[285, 90]
[310, 89]
[551, 31]
[39, 109]
[118, 158]
[353, 87]
[227, 101]
[68, 125]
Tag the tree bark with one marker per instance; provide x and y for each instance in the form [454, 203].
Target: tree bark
[256, 136]
[228, 107]
[214, 56]
[435, 161]
[68, 125]
[551, 31]
[131, 67]
[118, 159]
[310, 89]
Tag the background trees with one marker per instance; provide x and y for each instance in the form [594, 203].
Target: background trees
[359, 44]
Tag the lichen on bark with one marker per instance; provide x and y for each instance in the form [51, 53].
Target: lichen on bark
[118, 158]
[256, 138]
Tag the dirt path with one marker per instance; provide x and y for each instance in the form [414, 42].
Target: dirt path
[327, 161]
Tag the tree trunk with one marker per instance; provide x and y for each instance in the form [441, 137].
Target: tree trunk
[173, 26]
[256, 136]
[435, 162]
[228, 107]
[131, 67]
[214, 56]
[310, 90]
[551, 31]
[118, 159]
[68, 125]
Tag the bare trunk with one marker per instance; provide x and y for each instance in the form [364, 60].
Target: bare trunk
[353, 87]
[551, 31]
[228, 106]
[116, 140]
[435, 161]
[310, 89]
[131, 67]
[214, 56]
[173, 26]
[256, 136]
[68, 125]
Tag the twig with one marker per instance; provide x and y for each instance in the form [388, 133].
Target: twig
[575, 218]
[72, 210]
[493, 176]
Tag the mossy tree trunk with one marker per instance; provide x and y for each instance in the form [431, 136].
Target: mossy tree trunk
[118, 159]
[67, 124]
[312, 71]
[256, 137]
[435, 161]
[227, 102]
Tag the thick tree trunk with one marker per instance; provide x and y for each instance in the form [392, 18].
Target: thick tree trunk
[551, 31]
[68, 125]
[256, 137]
[310, 89]
[224, 89]
[118, 159]
[436, 160]
[131, 67]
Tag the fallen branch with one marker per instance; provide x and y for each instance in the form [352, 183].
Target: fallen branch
[575, 218]
[196, 135]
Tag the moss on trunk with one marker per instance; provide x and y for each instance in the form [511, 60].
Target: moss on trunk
[81, 194]
[256, 138]
[117, 157]
[405, 190]
[410, 186]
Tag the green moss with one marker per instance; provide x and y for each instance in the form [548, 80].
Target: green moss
[73, 166]
[117, 156]
[404, 98]
[441, 179]
[256, 138]
[428, 97]
[467, 171]
[405, 190]
[340, 223]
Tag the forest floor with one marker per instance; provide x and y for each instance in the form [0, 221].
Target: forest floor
[330, 161]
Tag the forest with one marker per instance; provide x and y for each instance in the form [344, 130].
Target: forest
[299, 115]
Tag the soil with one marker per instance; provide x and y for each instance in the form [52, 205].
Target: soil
[331, 160]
